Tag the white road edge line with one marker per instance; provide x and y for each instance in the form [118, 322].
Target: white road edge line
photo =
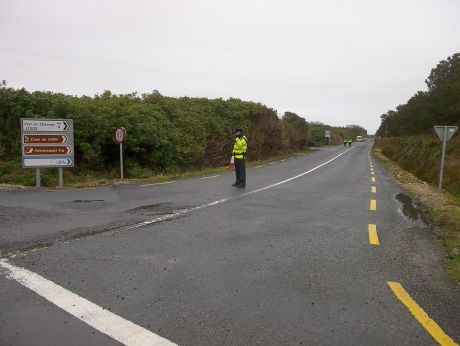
[210, 177]
[153, 184]
[189, 210]
[297, 176]
[185, 211]
[95, 316]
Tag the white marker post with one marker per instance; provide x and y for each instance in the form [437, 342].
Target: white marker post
[327, 135]
[444, 133]
[120, 137]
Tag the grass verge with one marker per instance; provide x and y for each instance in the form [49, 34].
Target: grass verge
[443, 209]
[71, 181]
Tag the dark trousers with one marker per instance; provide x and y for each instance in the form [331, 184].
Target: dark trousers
[240, 171]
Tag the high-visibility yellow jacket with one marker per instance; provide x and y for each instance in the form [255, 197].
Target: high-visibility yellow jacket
[240, 147]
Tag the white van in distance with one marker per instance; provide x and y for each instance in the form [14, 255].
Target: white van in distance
[360, 139]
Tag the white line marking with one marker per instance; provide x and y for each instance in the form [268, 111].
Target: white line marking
[258, 166]
[95, 316]
[189, 210]
[272, 163]
[210, 177]
[283, 160]
[153, 184]
[297, 176]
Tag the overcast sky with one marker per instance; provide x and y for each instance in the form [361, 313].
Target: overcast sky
[338, 62]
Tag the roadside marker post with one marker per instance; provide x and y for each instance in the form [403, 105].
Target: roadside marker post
[120, 137]
[327, 135]
[444, 133]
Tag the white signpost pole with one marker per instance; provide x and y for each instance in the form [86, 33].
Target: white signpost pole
[121, 161]
[37, 178]
[61, 177]
[444, 133]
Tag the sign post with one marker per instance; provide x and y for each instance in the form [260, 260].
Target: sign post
[120, 137]
[47, 143]
[327, 135]
[444, 133]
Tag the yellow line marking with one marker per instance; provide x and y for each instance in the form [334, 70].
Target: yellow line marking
[210, 177]
[373, 239]
[373, 179]
[258, 166]
[153, 184]
[373, 205]
[374, 189]
[432, 328]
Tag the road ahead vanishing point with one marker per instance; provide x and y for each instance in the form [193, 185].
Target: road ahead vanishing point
[317, 250]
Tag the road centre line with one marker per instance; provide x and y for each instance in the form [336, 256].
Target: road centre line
[373, 205]
[153, 184]
[421, 316]
[210, 177]
[93, 315]
[373, 179]
[373, 238]
[373, 189]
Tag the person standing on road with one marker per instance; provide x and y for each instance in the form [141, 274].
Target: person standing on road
[349, 142]
[344, 142]
[239, 153]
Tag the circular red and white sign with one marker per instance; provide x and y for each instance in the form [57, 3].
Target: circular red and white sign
[120, 135]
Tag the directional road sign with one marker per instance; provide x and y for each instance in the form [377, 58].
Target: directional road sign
[34, 163]
[46, 125]
[33, 150]
[48, 138]
[47, 143]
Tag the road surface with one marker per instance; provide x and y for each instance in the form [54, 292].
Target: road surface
[302, 256]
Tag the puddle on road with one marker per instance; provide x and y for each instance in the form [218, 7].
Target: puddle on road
[410, 210]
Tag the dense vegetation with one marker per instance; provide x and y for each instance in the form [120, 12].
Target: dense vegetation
[165, 134]
[408, 135]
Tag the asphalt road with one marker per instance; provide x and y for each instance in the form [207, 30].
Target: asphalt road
[286, 261]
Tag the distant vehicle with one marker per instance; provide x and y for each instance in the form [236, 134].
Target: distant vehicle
[360, 139]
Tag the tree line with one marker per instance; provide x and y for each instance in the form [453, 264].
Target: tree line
[406, 134]
[439, 105]
[164, 133]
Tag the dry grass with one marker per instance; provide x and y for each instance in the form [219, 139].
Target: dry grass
[443, 209]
